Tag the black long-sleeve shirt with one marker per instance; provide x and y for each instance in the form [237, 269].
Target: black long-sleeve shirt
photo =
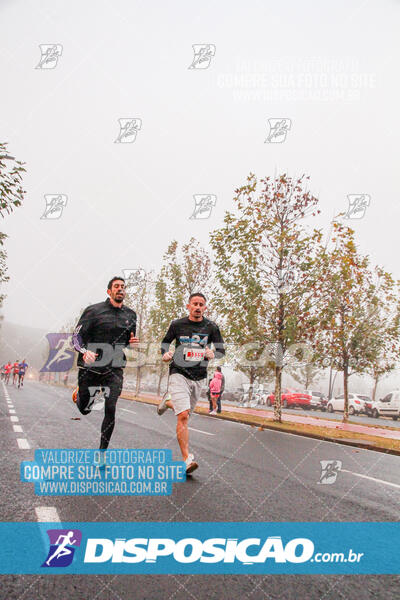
[104, 329]
[191, 339]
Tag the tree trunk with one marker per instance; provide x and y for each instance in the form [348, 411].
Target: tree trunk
[138, 378]
[330, 384]
[252, 376]
[346, 393]
[277, 402]
[160, 374]
[376, 379]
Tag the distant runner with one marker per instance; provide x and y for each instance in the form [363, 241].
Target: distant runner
[193, 336]
[22, 367]
[15, 371]
[106, 328]
[7, 371]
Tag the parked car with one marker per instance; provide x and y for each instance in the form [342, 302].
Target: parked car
[389, 406]
[291, 398]
[356, 404]
[318, 400]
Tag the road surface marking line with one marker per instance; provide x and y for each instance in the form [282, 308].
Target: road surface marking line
[18, 429]
[14, 419]
[47, 514]
[201, 431]
[23, 444]
[127, 410]
[11, 411]
[396, 485]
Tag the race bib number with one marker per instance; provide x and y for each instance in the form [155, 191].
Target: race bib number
[194, 354]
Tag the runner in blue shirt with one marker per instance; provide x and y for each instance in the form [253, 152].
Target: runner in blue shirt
[22, 367]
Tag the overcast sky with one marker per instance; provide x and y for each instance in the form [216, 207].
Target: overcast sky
[331, 68]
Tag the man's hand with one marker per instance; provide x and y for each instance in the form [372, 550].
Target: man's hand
[89, 357]
[209, 353]
[167, 356]
[133, 342]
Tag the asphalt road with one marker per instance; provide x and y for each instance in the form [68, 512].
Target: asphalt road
[244, 475]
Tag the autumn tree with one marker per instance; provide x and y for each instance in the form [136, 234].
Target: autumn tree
[268, 267]
[139, 297]
[184, 270]
[11, 196]
[354, 327]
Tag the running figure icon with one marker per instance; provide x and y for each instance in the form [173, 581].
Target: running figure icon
[64, 347]
[62, 549]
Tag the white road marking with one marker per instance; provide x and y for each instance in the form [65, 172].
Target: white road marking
[11, 411]
[47, 514]
[17, 428]
[396, 485]
[23, 444]
[14, 419]
[127, 410]
[201, 431]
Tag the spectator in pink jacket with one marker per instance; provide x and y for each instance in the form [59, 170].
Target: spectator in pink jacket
[215, 390]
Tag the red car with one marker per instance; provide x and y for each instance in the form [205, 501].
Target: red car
[291, 398]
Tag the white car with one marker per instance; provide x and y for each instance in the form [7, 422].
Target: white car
[356, 404]
[389, 406]
[318, 400]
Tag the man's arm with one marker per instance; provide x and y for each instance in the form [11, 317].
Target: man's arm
[166, 342]
[81, 334]
[217, 340]
[133, 340]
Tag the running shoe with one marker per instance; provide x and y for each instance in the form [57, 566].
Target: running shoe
[100, 460]
[162, 407]
[75, 395]
[191, 465]
[213, 412]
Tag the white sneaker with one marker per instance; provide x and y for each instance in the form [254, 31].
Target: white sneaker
[100, 459]
[190, 464]
[213, 412]
[162, 407]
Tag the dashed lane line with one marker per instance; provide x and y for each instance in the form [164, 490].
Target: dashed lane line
[23, 444]
[47, 514]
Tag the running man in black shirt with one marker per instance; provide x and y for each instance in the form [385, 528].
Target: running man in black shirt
[193, 336]
[103, 331]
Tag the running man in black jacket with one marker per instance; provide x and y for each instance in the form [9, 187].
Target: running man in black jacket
[193, 336]
[103, 331]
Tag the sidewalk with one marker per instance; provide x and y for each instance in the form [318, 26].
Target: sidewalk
[383, 432]
[318, 421]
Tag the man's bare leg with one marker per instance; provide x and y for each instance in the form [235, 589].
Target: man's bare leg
[182, 433]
